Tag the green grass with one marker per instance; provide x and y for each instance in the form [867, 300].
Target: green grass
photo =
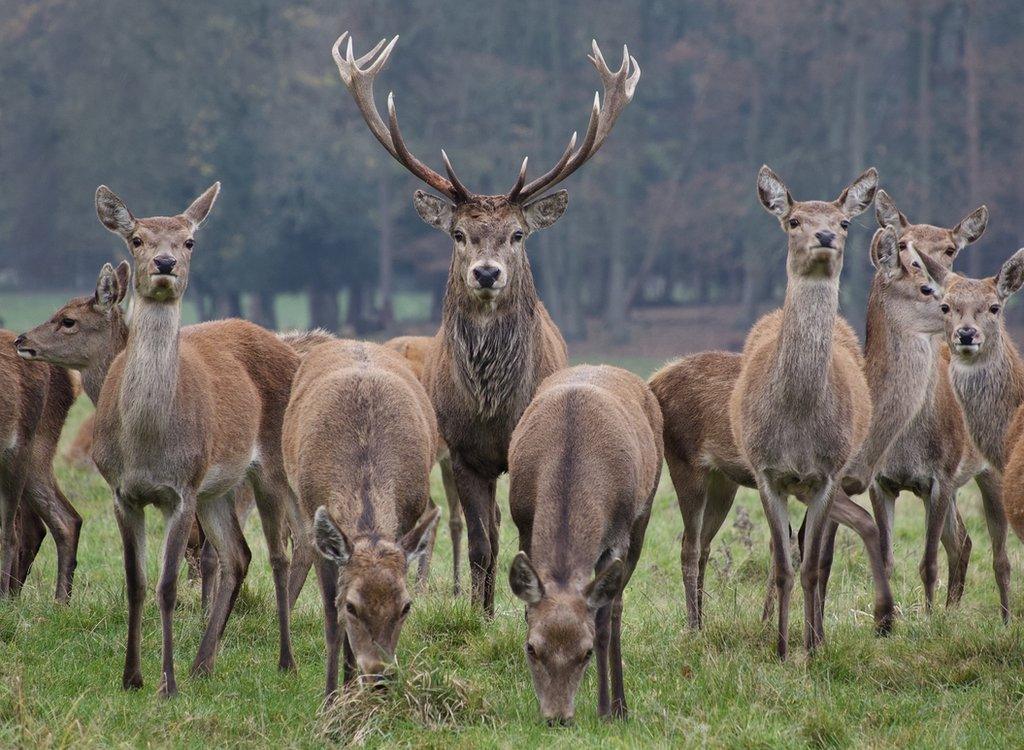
[952, 679]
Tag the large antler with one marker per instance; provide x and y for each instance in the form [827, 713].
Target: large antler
[618, 92]
[359, 81]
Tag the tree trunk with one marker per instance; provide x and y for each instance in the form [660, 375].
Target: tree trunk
[615, 311]
[924, 112]
[972, 126]
[385, 256]
[262, 310]
[228, 304]
[323, 309]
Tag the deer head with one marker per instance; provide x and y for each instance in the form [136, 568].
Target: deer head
[373, 599]
[906, 279]
[938, 243]
[561, 631]
[816, 230]
[488, 231]
[973, 310]
[81, 332]
[161, 246]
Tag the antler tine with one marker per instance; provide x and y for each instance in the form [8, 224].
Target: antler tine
[460, 189]
[414, 165]
[619, 88]
[539, 183]
[520, 181]
[358, 75]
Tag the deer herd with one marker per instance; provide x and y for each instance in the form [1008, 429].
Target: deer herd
[333, 440]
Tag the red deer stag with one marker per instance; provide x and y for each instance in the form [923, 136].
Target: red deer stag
[497, 341]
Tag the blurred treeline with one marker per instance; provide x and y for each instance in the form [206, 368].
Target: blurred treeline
[157, 99]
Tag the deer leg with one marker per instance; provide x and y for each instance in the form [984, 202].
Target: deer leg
[30, 532]
[193, 554]
[691, 493]
[883, 505]
[775, 510]
[721, 493]
[957, 543]
[327, 573]
[619, 708]
[475, 496]
[768, 608]
[826, 556]
[270, 496]
[455, 525]
[816, 520]
[218, 518]
[207, 572]
[13, 477]
[990, 483]
[131, 521]
[179, 510]
[602, 626]
[851, 515]
[45, 500]
[936, 511]
[495, 537]
[423, 568]
[304, 554]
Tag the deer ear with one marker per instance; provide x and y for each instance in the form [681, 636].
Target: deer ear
[938, 273]
[543, 212]
[1011, 275]
[437, 212]
[773, 193]
[606, 586]
[885, 252]
[107, 291]
[886, 212]
[330, 540]
[858, 196]
[113, 213]
[523, 579]
[200, 208]
[419, 540]
[971, 228]
[124, 277]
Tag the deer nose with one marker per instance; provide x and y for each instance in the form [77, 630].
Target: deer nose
[18, 342]
[486, 276]
[164, 263]
[825, 238]
[927, 290]
[966, 334]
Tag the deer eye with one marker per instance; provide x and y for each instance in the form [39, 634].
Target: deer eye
[950, 251]
[944, 307]
[994, 309]
[67, 323]
[915, 264]
[844, 224]
[190, 243]
[406, 608]
[517, 236]
[794, 223]
[351, 609]
[458, 236]
[136, 242]
[586, 656]
[531, 651]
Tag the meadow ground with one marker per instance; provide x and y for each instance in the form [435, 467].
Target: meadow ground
[952, 679]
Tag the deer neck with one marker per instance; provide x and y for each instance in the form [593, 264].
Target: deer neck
[894, 357]
[803, 357]
[492, 345]
[149, 384]
[990, 392]
[94, 375]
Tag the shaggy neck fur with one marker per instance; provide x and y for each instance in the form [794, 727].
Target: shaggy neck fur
[492, 346]
[801, 370]
[990, 390]
[150, 381]
[94, 375]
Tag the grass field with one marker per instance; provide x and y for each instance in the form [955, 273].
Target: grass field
[952, 679]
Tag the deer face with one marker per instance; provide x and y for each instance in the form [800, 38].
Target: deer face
[489, 235]
[816, 230]
[973, 310]
[80, 332]
[938, 243]
[561, 632]
[910, 285]
[160, 246]
[373, 599]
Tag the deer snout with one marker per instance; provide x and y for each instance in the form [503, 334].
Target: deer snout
[825, 238]
[487, 275]
[965, 335]
[19, 341]
[24, 351]
[164, 263]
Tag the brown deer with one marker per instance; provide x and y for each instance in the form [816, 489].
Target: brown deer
[918, 440]
[34, 402]
[584, 465]
[416, 350]
[360, 438]
[497, 341]
[801, 407]
[181, 422]
[987, 373]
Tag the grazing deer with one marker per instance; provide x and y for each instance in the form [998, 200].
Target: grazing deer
[181, 422]
[497, 341]
[988, 374]
[584, 465]
[34, 402]
[416, 349]
[360, 438]
[918, 440]
[801, 407]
